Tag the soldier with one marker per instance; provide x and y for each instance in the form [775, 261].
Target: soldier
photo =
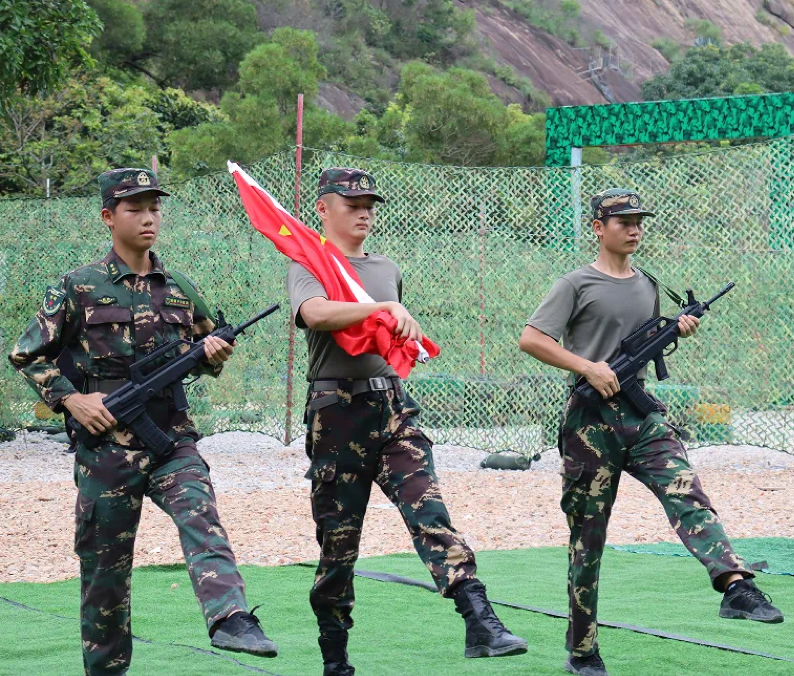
[593, 309]
[361, 427]
[107, 315]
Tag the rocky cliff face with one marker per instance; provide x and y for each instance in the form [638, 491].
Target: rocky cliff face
[574, 76]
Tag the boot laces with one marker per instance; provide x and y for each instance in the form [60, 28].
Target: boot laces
[754, 594]
[250, 620]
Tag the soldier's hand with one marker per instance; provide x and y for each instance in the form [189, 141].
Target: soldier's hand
[603, 379]
[688, 325]
[217, 350]
[90, 412]
[407, 326]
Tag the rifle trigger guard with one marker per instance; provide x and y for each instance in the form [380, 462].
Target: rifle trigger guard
[672, 349]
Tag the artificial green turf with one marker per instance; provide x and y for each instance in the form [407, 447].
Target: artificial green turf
[408, 631]
[778, 553]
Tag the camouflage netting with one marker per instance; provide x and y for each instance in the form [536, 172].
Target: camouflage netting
[479, 248]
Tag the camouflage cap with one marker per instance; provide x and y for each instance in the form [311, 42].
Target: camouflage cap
[347, 182]
[617, 202]
[121, 183]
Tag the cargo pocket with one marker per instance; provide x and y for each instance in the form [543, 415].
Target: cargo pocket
[574, 488]
[108, 332]
[176, 324]
[83, 523]
[323, 478]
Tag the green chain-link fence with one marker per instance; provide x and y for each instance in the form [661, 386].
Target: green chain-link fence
[478, 248]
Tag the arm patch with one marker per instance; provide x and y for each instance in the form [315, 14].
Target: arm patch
[53, 300]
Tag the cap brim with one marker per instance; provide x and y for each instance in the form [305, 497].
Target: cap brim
[632, 212]
[361, 193]
[139, 190]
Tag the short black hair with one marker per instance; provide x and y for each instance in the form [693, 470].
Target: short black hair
[112, 203]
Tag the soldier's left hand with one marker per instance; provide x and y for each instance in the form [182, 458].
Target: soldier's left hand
[688, 325]
[217, 350]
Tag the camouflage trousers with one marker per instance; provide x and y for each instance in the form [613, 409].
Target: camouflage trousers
[598, 442]
[373, 437]
[112, 481]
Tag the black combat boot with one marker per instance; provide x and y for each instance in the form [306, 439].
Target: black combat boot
[592, 665]
[486, 636]
[334, 650]
[241, 633]
[745, 601]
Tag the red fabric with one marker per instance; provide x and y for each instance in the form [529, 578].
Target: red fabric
[375, 335]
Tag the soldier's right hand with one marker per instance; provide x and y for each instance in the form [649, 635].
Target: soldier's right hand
[90, 412]
[602, 378]
[407, 326]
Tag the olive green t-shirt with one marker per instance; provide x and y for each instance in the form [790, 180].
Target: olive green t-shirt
[382, 280]
[593, 312]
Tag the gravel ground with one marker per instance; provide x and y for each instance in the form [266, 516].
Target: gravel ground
[263, 501]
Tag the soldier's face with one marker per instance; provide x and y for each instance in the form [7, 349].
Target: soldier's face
[620, 234]
[136, 221]
[348, 218]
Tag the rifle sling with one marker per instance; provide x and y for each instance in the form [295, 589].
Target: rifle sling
[672, 295]
[187, 288]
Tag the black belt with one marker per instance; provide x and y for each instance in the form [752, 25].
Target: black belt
[110, 385]
[353, 387]
[357, 386]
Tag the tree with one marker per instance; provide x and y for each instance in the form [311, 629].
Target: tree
[282, 68]
[41, 42]
[452, 117]
[724, 71]
[124, 33]
[197, 44]
[72, 136]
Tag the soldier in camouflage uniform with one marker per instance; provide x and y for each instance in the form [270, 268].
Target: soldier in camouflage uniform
[593, 309]
[362, 428]
[107, 315]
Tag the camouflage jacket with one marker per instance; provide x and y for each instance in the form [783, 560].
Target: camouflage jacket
[107, 317]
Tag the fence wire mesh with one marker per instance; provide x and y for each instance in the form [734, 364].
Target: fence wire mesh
[479, 249]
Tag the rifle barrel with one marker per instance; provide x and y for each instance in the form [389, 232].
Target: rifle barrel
[727, 288]
[267, 311]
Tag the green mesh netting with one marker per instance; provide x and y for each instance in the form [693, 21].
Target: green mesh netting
[479, 248]
[778, 553]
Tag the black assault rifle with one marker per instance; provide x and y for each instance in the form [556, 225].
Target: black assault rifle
[127, 404]
[646, 344]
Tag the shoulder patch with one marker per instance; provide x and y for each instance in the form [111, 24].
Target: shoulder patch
[106, 300]
[173, 301]
[53, 300]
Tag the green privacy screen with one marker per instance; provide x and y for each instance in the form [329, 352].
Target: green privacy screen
[478, 248]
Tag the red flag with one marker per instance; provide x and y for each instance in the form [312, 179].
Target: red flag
[375, 335]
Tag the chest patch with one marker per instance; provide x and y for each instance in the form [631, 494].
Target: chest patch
[106, 300]
[53, 300]
[174, 301]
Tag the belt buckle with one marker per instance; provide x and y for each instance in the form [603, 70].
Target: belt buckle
[378, 384]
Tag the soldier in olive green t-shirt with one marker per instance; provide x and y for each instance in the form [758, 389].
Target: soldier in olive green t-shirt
[593, 309]
[362, 429]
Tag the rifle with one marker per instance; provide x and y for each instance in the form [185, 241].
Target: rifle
[127, 404]
[647, 343]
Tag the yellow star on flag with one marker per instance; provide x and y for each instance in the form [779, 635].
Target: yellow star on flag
[284, 231]
[322, 240]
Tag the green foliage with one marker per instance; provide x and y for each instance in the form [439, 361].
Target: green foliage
[197, 44]
[557, 17]
[601, 39]
[667, 47]
[124, 32]
[724, 71]
[71, 136]
[450, 117]
[705, 32]
[260, 116]
[281, 69]
[177, 110]
[41, 42]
